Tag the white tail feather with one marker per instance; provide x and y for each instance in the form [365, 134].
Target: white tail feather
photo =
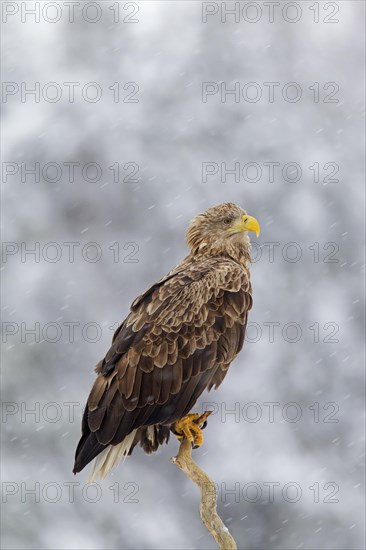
[110, 457]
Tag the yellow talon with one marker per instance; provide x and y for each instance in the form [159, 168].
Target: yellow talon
[190, 427]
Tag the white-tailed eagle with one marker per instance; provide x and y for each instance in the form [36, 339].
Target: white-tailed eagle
[178, 340]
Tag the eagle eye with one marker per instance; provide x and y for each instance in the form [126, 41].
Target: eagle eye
[227, 221]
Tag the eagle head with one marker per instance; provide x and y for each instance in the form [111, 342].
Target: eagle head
[222, 229]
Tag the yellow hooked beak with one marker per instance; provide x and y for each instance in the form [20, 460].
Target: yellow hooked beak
[248, 223]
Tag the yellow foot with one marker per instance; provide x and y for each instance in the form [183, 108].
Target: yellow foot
[191, 427]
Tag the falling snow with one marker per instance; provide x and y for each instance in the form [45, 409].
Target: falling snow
[169, 133]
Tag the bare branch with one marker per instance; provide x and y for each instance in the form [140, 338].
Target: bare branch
[208, 506]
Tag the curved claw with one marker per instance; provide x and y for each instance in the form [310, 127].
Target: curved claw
[204, 425]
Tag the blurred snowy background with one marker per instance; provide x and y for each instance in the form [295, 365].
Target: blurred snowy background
[289, 476]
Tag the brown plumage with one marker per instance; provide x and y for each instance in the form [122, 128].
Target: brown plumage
[178, 340]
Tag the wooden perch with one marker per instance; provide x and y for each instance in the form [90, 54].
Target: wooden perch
[208, 506]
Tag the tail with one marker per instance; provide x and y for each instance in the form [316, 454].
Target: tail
[111, 457]
[108, 456]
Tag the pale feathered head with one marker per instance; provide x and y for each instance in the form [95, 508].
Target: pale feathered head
[222, 229]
